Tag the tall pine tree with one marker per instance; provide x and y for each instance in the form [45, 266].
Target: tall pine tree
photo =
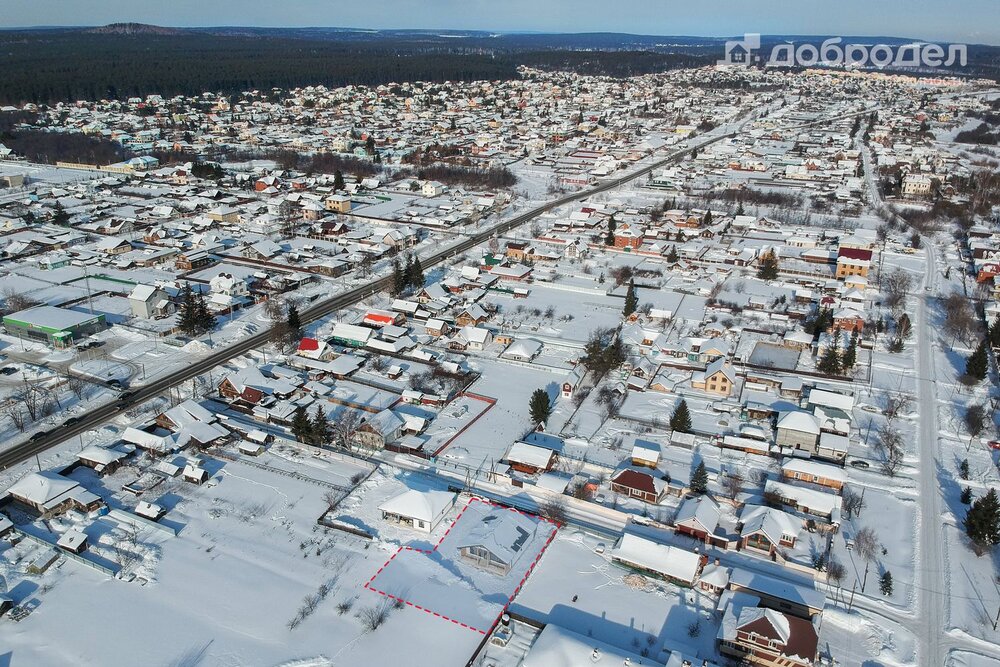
[398, 279]
[982, 522]
[631, 300]
[978, 363]
[301, 425]
[680, 420]
[850, 355]
[699, 479]
[320, 431]
[540, 407]
[417, 273]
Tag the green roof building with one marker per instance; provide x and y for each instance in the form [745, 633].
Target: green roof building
[54, 326]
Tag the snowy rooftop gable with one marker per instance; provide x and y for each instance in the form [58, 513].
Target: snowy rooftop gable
[43, 488]
[557, 647]
[503, 533]
[530, 455]
[421, 505]
[671, 562]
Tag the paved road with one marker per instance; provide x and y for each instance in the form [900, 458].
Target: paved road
[932, 595]
[43, 440]
[40, 443]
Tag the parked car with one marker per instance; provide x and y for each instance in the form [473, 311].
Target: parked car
[71, 421]
[858, 463]
[8, 370]
[38, 436]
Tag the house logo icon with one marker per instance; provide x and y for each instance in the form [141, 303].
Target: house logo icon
[739, 52]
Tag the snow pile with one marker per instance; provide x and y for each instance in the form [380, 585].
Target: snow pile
[196, 347]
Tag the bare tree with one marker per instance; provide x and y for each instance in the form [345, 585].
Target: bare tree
[892, 459]
[15, 413]
[959, 318]
[976, 417]
[896, 404]
[554, 510]
[344, 427]
[126, 547]
[14, 301]
[733, 485]
[866, 543]
[853, 502]
[372, 618]
[896, 285]
[34, 398]
[76, 385]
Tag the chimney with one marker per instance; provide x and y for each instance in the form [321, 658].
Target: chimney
[717, 561]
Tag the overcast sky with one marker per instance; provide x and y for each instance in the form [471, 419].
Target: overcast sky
[970, 21]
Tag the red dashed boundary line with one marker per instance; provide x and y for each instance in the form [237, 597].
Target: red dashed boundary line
[477, 397]
[531, 568]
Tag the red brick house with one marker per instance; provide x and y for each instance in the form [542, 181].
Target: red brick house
[641, 484]
[768, 637]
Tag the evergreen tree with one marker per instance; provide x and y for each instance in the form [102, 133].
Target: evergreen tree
[978, 362]
[204, 319]
[707, 220]
[850, 355]
[699, 480]
[293, 322]
[540, 407]
[672, 256]
[338, 180]
[885, 583]
[416, 273]
[631, 300]
[398, 279]
[612, 225]
[768, 269]
[301, 425]
[408, 271]
[680, 420]
[609, 238]
[59, 215]
[963, 469]
[994, 332]
[982, 521]
[966, 497]
[187, 318]
[739, 208]
[829, 363]
[320, 428]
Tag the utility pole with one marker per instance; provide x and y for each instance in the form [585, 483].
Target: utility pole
[853, 588]
[86, 280]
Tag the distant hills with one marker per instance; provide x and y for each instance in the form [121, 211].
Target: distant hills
[133, 29]
[135, 59]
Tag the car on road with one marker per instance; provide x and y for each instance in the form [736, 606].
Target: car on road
[8, 370]
[858, 463]
[71, 421]
[38, 436]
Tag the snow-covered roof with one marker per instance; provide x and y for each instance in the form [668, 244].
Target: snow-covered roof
[558, 647]
[421, 505]
[100, 455]
[799, 420]
[809, 467]
[669, 561]
[503, 533]
[522, 452]
[774, 523]
[702, 509]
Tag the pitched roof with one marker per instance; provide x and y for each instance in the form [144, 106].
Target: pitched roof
[422, 505]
